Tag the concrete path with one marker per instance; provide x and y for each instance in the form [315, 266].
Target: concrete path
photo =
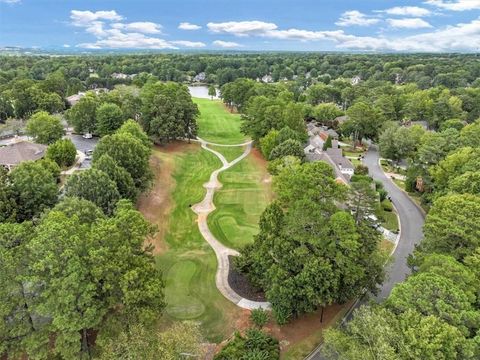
[205, 207]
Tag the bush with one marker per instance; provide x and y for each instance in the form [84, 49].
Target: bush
[254, 345]
[387, 205]
[286, 148]
[382, 193]
[259, 317]
[63, 152]
[361, 170]
[358, 178]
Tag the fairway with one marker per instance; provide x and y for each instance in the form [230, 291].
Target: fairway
[216, 124]
[185, 258]
[240, 202]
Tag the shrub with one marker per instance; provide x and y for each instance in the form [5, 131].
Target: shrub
[259, 317]
[387, 205]
[361, 170]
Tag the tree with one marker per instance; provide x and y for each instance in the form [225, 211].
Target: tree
[44, 128]
[288, 148]
[8, 205]
[109, 117]
[94, 185]
[34, 188]
[21, 330]
[268, 143]
[120, 176]
[326, 113]
[91, 271]
[328, 143]
[82, 115]
[363, 122]
[212, 92]
[86, 211]
[470, 135]
[451, 226]
[63, 152]
[139, 341]
[362, 200]
[168, 112]
[133, 128]
[308, 253]
[129, 153]
[431, 294]
[255, 344]
[396, 143]
[467, 183]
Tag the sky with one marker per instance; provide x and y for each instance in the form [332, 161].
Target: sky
[250, 25]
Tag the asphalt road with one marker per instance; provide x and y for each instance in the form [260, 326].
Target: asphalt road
[411, 222]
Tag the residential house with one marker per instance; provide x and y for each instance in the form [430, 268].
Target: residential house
[13, 154]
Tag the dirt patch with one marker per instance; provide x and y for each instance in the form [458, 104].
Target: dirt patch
[301, 328]
[240, 284]
[157, 203]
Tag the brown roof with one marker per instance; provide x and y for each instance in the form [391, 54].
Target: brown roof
[16, 153]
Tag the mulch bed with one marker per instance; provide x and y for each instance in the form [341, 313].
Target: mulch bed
[240, 284]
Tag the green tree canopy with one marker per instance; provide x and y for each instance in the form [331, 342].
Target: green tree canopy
[96, 186]
[63, 152]
[109, 117]
[44, 128]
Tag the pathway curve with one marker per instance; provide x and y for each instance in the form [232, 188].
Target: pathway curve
[203, 209]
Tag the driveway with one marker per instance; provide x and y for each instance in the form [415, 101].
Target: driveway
[411, 221]
[83, 145]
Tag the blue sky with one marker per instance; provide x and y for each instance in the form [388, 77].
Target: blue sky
[316, 25]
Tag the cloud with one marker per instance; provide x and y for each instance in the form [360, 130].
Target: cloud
[460, 37]
[241, 28]
[111, 32]
[189, 44]
[354, 17]
[66, 45]
[226, 44]
[11, 2]
[407, 11]
[409, 23]
[144, 27]
[455, 5]
[116, 39]
[81, 18]
[188, 26]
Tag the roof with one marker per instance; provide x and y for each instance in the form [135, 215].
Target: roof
[337, 157]
[341, 119]
[16, 153]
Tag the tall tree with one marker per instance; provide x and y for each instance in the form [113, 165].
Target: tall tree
[109, 117]
[44, 128]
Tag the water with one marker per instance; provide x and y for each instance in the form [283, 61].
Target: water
[201, 92]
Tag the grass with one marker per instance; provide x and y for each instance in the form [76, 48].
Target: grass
[216, 124]
[230, 153]
[189, 264]
[241, 200]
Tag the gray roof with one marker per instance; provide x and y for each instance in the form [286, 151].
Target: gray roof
[16, 153]
[341, 119]
[337, 157]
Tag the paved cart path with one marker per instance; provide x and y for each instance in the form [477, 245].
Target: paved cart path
[205, 207]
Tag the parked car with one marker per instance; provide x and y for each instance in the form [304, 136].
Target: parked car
[87, 135]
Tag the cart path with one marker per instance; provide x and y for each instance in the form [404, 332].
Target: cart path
[203, 209]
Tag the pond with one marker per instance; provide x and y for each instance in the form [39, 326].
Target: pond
[201, 92]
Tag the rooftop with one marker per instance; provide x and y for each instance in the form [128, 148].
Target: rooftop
[14, 154]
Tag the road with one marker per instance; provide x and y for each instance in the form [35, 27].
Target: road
[411, 223]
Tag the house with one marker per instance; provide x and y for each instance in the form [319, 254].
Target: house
[73, 99]
[356, 80]
[200, 77]
[341, 119]
[315, 144]
[313, 129]
[267, 79]
[342, 163]
[16, 153]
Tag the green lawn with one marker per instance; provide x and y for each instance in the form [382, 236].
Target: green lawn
[189, 264]
[241, 200]
[230, 153]
[216, 124]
